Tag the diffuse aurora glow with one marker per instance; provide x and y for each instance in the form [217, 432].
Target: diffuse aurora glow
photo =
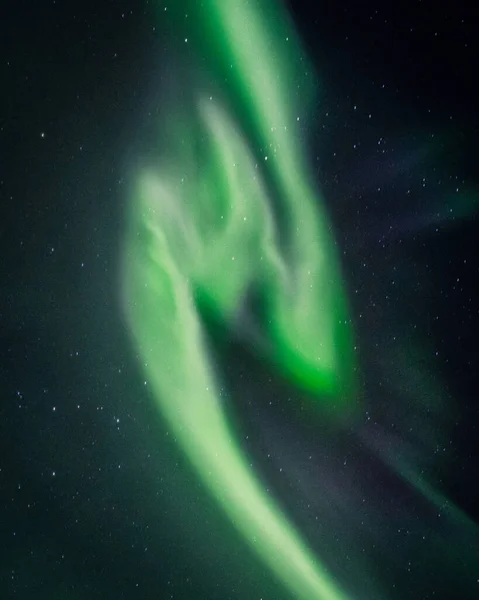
[203, 228]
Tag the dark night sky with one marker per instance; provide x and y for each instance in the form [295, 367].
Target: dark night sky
[96, 501]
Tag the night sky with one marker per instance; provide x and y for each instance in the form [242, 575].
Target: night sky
[100, 496]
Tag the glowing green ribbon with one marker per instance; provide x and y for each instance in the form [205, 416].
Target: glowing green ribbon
[202, 229]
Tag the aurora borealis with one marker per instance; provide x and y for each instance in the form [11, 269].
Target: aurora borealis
[204, 232]
[238, 301]
[210, 236]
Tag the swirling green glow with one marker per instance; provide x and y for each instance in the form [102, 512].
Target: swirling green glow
[201, 232]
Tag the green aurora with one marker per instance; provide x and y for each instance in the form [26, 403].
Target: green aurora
[229, 212]
[203, 231]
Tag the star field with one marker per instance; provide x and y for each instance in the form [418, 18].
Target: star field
[373, 106]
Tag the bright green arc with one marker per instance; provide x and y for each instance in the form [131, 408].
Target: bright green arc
[202, 231]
